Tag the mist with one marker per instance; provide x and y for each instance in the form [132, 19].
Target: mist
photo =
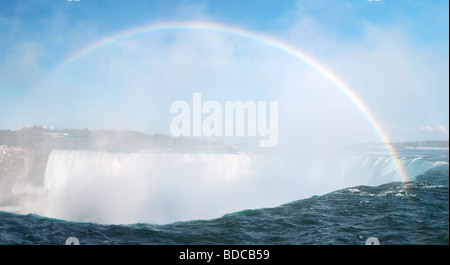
[130, 85]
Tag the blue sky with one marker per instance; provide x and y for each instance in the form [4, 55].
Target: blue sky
[393, 53]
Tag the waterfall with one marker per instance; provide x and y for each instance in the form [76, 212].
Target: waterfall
[165, 187]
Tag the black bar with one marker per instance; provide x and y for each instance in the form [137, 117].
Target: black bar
[240, 254]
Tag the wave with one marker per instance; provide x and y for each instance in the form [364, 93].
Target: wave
[440, 163]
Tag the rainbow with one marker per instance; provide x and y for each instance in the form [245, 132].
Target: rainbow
[257, 37]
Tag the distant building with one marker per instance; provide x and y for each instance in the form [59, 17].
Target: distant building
[48, 127]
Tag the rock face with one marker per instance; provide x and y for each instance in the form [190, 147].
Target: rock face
[12, 171]
[21, 172]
